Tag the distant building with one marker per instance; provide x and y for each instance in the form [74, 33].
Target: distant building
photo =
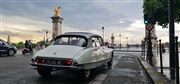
[112, 41]
[8, 39]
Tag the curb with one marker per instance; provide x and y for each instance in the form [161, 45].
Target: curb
[154, 76]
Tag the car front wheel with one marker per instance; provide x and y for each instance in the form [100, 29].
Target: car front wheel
[44, 72]
[11, 52]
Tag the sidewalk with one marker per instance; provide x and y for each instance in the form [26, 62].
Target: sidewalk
[127, 71]
[131, 68]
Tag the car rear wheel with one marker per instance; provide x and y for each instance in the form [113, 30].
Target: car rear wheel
[44, 72]
[31, 52]
[23, 52]
[110, 62]
[11, 52]
[85, 74]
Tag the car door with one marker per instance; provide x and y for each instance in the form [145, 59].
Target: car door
[103, 48]
[97, 46]
[3, 47]
[92, 50]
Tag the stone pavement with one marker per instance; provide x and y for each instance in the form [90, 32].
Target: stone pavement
[128, 70]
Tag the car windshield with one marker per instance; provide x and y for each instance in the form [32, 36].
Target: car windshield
[71, 40]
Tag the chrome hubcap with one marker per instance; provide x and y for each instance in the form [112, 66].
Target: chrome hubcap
[11, 52]
[87, 73]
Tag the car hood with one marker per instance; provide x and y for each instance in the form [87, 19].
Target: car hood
[59, 51]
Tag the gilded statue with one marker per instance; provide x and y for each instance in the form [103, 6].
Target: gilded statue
[57, 11]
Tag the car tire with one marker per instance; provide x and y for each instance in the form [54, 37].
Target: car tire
[109, 64]
[44, 72]
[23, 52]
[11, 52]
[31, 52]
[85, 74]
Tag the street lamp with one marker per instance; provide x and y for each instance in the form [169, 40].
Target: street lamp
[127, 41]
[103, 32]
[46, 38]
[120, 40]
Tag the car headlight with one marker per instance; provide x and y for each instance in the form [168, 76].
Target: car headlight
[15, 47]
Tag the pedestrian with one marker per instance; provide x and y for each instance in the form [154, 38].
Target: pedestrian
[163, 48]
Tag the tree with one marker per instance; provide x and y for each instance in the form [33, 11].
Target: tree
[33, 45]
[157, 11]
[20, 45]
[1, 40]
[14, 44]
[41, 43]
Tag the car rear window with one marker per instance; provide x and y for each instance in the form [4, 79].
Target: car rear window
[71, 40]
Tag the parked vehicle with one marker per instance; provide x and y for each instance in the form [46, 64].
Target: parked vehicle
[75, 51]
[6, 48]
[26, 50]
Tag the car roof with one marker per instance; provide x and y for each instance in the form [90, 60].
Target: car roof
[3, 41]
[84, 34]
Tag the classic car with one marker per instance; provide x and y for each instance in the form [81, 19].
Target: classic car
[79, 51]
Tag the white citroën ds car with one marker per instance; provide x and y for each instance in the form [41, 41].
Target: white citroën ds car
[73, 50]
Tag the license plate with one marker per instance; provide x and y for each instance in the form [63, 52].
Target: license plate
[53, 61]
[59, 62]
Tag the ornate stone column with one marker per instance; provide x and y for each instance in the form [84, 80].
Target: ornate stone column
[57, 26]
[57, 23]
[112, 40]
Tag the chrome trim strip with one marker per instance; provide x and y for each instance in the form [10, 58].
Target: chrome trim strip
[55, 66]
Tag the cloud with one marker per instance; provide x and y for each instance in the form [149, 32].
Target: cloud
[96, 14]
[30, 19]
[23, 28]
[6, 32]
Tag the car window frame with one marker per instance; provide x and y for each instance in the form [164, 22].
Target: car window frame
[90, 41]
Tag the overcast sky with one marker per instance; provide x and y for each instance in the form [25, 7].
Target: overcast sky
[29, 19]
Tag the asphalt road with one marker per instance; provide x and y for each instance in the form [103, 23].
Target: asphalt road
[17, 70]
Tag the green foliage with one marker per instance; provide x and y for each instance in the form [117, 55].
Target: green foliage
[178, 43]
[41, 43]
[20, 45]
[33, 45]
[157, 10]
[1, 40]
[14, 44]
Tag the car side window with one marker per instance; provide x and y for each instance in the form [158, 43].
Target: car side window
[94, 42]
[100, 41]
[1, 43]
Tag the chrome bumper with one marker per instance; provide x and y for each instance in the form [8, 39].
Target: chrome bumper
[55, 66]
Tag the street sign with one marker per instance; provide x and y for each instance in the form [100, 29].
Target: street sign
[149, 27]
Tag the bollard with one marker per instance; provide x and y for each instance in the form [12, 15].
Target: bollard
[149, 52]
[157, 49]
[160, 53]
[177, 61]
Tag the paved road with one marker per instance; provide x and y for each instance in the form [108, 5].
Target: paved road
[17, 70]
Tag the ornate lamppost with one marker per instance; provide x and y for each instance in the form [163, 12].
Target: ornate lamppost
[120, 40]
[103, 32]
